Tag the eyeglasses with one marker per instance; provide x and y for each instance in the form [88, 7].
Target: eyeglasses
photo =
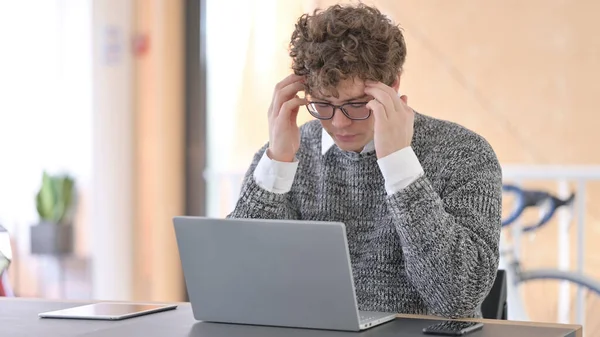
[352, 110]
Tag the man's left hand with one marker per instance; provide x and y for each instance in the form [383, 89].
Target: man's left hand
[394, 119]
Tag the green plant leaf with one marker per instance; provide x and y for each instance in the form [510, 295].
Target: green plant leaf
[55, 199]
[46, 198]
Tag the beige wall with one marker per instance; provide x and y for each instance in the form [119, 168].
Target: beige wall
[159, 162]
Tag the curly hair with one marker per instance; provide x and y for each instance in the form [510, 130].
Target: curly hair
[344, 42]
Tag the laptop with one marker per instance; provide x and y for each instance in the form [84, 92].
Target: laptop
[271, 272]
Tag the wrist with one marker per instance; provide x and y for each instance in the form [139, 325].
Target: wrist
[400, 169]
[388, 152]
[279, 158]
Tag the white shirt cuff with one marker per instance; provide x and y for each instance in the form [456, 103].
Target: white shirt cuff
[275, 176]
[400, 169]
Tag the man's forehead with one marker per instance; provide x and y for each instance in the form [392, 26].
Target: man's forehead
[343, 92]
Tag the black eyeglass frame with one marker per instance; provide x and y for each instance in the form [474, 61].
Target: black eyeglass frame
[335, 108]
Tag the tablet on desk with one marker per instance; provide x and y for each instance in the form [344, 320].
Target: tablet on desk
[108, 311]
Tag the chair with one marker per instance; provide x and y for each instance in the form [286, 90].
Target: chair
[494, 305]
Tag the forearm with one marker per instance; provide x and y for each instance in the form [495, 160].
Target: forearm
[451, 258]
[257, 203]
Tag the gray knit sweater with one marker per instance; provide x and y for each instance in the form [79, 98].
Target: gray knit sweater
[431, 248]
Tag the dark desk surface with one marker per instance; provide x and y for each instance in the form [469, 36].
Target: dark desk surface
[18, 318]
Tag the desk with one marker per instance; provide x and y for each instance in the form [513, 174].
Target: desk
[18, 318]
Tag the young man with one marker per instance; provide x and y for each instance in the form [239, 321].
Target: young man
[420, 197]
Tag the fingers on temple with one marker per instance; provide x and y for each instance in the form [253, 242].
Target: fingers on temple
[285, 94]
[391, 93]
[378, 109]
[290, 107]
[381, 97]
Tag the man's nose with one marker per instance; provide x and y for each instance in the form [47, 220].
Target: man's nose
[339, 119]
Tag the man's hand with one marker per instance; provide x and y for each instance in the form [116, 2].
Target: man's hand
[394, 119]
[284, 135]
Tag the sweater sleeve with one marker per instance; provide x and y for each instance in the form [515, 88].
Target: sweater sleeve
[259, 203]
[450, 240]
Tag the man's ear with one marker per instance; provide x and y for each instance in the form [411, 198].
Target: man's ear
[396, 84]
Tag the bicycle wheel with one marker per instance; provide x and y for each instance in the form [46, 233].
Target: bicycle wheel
[550, 295]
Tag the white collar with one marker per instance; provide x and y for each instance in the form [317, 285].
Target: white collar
[327, 142]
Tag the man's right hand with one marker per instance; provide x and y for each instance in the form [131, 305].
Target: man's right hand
[284, 134]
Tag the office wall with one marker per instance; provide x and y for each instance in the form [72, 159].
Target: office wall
[159, 146]
[138, 135]
[112, 213]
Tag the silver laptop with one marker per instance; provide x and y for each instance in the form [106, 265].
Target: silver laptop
[271, 272]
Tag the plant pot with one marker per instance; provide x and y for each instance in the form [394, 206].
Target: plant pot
[51, 239]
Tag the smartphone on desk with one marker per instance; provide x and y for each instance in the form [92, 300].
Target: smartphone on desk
[452, 328]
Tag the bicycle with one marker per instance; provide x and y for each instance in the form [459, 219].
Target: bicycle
[520, 279]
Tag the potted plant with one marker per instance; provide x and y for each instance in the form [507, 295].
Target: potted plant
[55, 204]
